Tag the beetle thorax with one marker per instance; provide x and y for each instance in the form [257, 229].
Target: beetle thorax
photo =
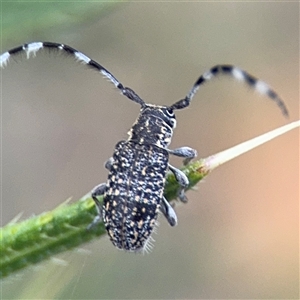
[154, 126]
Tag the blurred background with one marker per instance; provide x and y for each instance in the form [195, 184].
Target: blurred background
[238, 237]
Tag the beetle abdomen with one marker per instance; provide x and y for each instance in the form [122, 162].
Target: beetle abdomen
[133, 193]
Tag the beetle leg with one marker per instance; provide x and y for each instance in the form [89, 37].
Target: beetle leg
[97, 191]
[168, 212]
[186, 152]
[182, 181]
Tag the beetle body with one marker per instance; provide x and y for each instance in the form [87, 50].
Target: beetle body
[134, 189]
[133, 193]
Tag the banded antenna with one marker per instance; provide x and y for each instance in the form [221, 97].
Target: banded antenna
[235, 72]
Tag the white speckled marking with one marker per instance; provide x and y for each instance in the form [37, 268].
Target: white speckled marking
[81, 57]
[4, 59]
[238, 74]
[33, 48]
[208, 75]
[262, 87]
[110, 77]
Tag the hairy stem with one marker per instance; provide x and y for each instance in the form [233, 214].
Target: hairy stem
[40, 237]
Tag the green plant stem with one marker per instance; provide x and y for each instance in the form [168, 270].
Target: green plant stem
[40, 237]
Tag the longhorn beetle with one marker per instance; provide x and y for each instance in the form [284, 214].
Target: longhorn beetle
[133, 193]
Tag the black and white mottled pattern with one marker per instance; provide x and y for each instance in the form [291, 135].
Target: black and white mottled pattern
[32, 48]
[239, 75]
[133, 193]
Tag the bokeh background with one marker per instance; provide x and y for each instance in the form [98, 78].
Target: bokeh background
[238, 237]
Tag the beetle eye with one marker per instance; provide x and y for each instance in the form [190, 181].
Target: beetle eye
[170, 112]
